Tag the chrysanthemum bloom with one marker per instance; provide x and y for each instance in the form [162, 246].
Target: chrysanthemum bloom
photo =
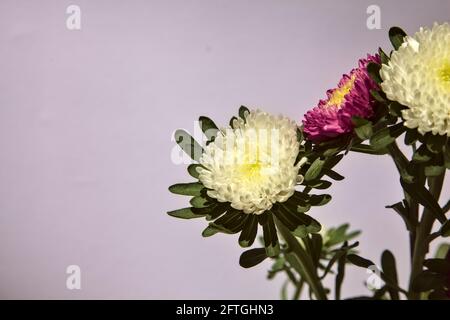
[252, 165]
[247, 176]
[418, 77]
[333, 116]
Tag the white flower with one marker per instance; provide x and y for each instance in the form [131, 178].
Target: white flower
[418, 76]
[252, 165]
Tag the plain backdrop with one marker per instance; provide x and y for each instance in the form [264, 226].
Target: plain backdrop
[87, 116]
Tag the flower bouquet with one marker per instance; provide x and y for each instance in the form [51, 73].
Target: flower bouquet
[264, 174]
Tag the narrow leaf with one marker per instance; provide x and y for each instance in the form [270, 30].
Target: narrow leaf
[374, 71]
[185, 213]
[396, 35]
[192, 169]
[252, 257]
[445, 229]
[424, 197]
[187, 189]
[208, 126]
[386, 136]
[314, 170]
[243, 111]
[390, 271]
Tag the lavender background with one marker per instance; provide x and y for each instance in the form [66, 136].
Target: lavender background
[86, 119]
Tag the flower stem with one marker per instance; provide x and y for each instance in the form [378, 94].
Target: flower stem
[305, 264]
[423, 231]
[401, 162]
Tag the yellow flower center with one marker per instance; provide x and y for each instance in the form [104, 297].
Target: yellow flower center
[338, 95]
[251, 172]
[444, 73]
[250, 167]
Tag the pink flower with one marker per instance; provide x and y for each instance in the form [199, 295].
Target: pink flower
[333, 116]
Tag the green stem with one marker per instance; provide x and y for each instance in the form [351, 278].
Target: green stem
[305, 264]
[401, 162]
[298, 289]
[423, 231]
[446, 208]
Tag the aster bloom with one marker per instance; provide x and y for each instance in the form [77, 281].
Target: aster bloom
[247, 176]
[333, 116]
[418, 77]
[252, 166]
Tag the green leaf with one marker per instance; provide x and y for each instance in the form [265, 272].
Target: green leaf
[192, 169]
[360, 261]
[298, 223]
[279, 263]
[337, 254]
[333, 174]
[332, 147]
[188, 144]
[199, 202]
[332, 161]
[390, 271]
[300, 136]
[185, 213]
[424, 197]
[364, 132]
[340, 274]
[434, 171]
[316, 248]
[445, 229]
[438, 265]
[363, 148]
[248, 234]
[422, 154]
[243, 111]
[411, 136]
[358, 121]
[269, 234]
[396, 35]
[314, 170]
[319, 184]
[284, 291]
[210, 231]
[374, 71]
[386, 136]
[399, 207]
[187, 189]
[384, 57]
[209, 128]
[231, 222]
[427, 280]
[212, 211]
[377, 95]
[447, 156]
[232, 121]
[396, 108]
[339, 235]
[436, 142]
[442, 250]
[320, 199]
[252, 257]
